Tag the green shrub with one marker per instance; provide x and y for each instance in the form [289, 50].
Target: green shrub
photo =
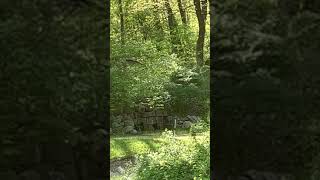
[189, 91]
[177, 159]
[199, 128]
[138, 70]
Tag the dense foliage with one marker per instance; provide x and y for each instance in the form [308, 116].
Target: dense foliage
[146, 78]
[160, 56]
[53, 80]
[265, 84]
[153, 51]
[189, 90]
[177, 159]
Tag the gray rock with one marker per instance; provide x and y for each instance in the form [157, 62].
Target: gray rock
[129, 123]
[135, 159]
[134, 131]
[128, 120]
[113, 174]
[120, 170]
[182, 118]
[128, 129]
[187, 124]
[193, 119]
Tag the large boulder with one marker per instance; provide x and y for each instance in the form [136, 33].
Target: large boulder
[187, 124]
[120, 170]
[129, 122]
[134, 131]
[194, 119]
[128, 129]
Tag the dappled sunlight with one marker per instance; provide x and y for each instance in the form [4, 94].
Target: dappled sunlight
[124, 147]
[160, 89]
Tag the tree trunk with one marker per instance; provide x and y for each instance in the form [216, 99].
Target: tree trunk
[182, 12]
[172, 23]
[143, 29]
[156, 13]
[122, 29]
[201, 12]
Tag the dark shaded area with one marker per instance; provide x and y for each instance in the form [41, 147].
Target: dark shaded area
[54, 89]
[265, 87]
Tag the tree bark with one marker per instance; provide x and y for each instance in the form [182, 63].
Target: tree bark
[182, 12]
[201, 12]
[172, 23]
[156, 12]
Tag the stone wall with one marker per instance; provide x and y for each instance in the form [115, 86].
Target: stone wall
[147, 119]
[154, 119]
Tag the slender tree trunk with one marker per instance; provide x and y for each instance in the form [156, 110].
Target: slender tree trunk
[201, 12]
[172, 23]
[156, 13]
[182, 12]
[122, 29]
[142, 29]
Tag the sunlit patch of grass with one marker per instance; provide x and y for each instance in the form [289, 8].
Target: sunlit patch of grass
[125, 147]
[117, 177]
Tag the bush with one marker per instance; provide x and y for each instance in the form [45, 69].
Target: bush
[138, 70]
[177, 159]
[199, 128]
[189, 90]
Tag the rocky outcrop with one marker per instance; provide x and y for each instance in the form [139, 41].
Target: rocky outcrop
[148, 119]
[187, 124]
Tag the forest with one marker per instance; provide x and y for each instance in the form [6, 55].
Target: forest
[159, 100]
[59, 59]
[155, 46]
[265, 84]
[54, 90]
